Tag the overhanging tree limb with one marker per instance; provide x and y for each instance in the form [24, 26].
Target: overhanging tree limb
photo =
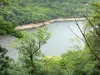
[75, 34]
[92, 25]
[87, 41]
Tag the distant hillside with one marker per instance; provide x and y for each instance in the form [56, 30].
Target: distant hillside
[21, 12]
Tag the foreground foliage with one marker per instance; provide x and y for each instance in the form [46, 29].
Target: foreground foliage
[29, 49]
[4, 62]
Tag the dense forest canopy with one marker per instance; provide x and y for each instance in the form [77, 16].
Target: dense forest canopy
[21, 12]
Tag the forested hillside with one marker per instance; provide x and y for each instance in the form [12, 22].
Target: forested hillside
[21, 12]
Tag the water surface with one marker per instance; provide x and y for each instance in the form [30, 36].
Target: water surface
[56, 45]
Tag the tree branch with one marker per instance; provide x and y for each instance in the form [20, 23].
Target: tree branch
[87, 41]
[75, 34]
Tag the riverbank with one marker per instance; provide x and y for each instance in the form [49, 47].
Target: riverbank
[29, 26]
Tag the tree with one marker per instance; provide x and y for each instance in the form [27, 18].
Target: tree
[17, 69]
[3, 2]
[95, 17]
[7, 28]
[91, 30]
[29, 48]
[4, 62]
[50, 65]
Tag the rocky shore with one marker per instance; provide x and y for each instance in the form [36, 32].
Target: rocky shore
[28, 26]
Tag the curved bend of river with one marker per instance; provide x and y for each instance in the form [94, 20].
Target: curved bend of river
[56, 45]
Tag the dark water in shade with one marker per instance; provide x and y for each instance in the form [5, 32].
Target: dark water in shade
[56, 45]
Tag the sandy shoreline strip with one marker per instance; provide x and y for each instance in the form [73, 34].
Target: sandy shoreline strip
[29, 26]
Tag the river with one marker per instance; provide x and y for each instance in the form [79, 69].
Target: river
[56, 45]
